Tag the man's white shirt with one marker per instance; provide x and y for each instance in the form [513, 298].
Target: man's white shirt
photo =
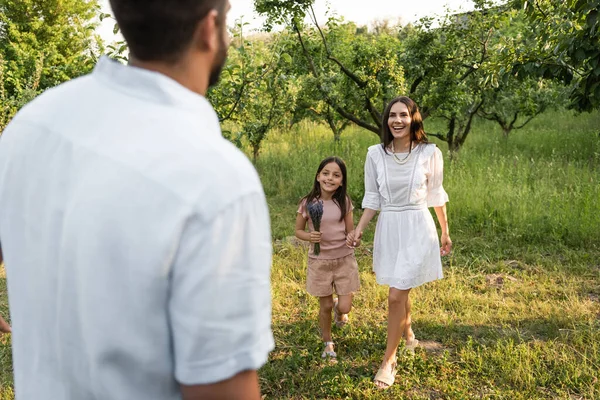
[136, 242]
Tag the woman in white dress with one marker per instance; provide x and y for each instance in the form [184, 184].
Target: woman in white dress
[403, 177]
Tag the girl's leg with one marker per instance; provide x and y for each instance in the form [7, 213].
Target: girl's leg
[397, 300]
[344, 303]
[341, 307]
[326, 306]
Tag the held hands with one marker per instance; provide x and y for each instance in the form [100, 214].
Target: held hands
[315, 237]
[446, 247]
[353, 238]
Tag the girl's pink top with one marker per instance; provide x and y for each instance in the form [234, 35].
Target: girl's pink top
[333, 231]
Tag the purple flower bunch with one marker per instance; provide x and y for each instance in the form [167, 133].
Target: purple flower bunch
[315, 211]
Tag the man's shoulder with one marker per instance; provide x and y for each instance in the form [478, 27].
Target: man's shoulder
[214, 175]
[45, 105]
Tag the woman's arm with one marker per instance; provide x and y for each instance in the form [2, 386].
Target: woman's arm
[446, 243]
[313, 237]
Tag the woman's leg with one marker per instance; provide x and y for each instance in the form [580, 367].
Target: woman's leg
[326, 306]
[397, 300]
[408, 332]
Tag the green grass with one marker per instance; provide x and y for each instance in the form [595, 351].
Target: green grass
[518, 313]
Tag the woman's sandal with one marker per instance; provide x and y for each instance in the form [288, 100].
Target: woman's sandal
[386, 376]
[339, 319]
[329, 354]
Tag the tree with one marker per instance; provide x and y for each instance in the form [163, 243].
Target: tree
[254, 91]
[515, 103]
[567, 46]
[42, 44]
[464, 67]
[448, 68]
[354, 72]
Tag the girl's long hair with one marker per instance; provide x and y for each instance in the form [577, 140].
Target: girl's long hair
[339, 197]
[417, 133]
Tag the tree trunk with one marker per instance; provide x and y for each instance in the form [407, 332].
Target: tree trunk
[334, 128]
[450, 138]
[255, 151]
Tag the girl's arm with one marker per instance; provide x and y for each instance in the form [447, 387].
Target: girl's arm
[446, 243]
[354, 238]
[313, 237]
[349, 221]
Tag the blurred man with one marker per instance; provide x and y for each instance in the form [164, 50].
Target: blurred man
[136, 239]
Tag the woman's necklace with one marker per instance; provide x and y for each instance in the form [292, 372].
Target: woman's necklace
[398, 160]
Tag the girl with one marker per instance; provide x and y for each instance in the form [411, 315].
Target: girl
[403, 177]
[335, 266]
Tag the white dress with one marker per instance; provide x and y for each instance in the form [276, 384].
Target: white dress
[406, 251]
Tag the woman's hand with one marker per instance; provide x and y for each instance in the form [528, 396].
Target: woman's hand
[446, 247]
[315, 237]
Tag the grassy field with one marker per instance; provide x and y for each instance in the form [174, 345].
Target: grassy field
[518, 314]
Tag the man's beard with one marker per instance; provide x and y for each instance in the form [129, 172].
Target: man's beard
[218, 65]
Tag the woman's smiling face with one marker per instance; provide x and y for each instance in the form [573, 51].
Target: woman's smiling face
[399, 121]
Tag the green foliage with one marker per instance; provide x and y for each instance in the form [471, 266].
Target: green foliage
[281, 12]
[458, 68]
[539, 187]
[255, 90]
[567, 46]
[516, 102]
[455, 67]
[524, 223]
[516, 316]
[42, 44]
[353, 74]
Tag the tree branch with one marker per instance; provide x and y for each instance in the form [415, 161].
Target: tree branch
[328, 99]
[311, 64]
[237, 101]
[461, 139]
[362, 124]
[528, 120]
[416, 83]
[471, 68]
[359, 82]
[437, 135]
[374, 113]
[540, 9]
[362, 84]
[510, 125]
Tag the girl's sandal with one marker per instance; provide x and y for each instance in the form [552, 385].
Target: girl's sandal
[339, 319]
[386, 377]
[329, 354]
[411, 345]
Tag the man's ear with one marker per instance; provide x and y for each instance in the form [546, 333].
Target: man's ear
[206, 37]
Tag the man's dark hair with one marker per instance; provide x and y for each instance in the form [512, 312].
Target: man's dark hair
[161, 30]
